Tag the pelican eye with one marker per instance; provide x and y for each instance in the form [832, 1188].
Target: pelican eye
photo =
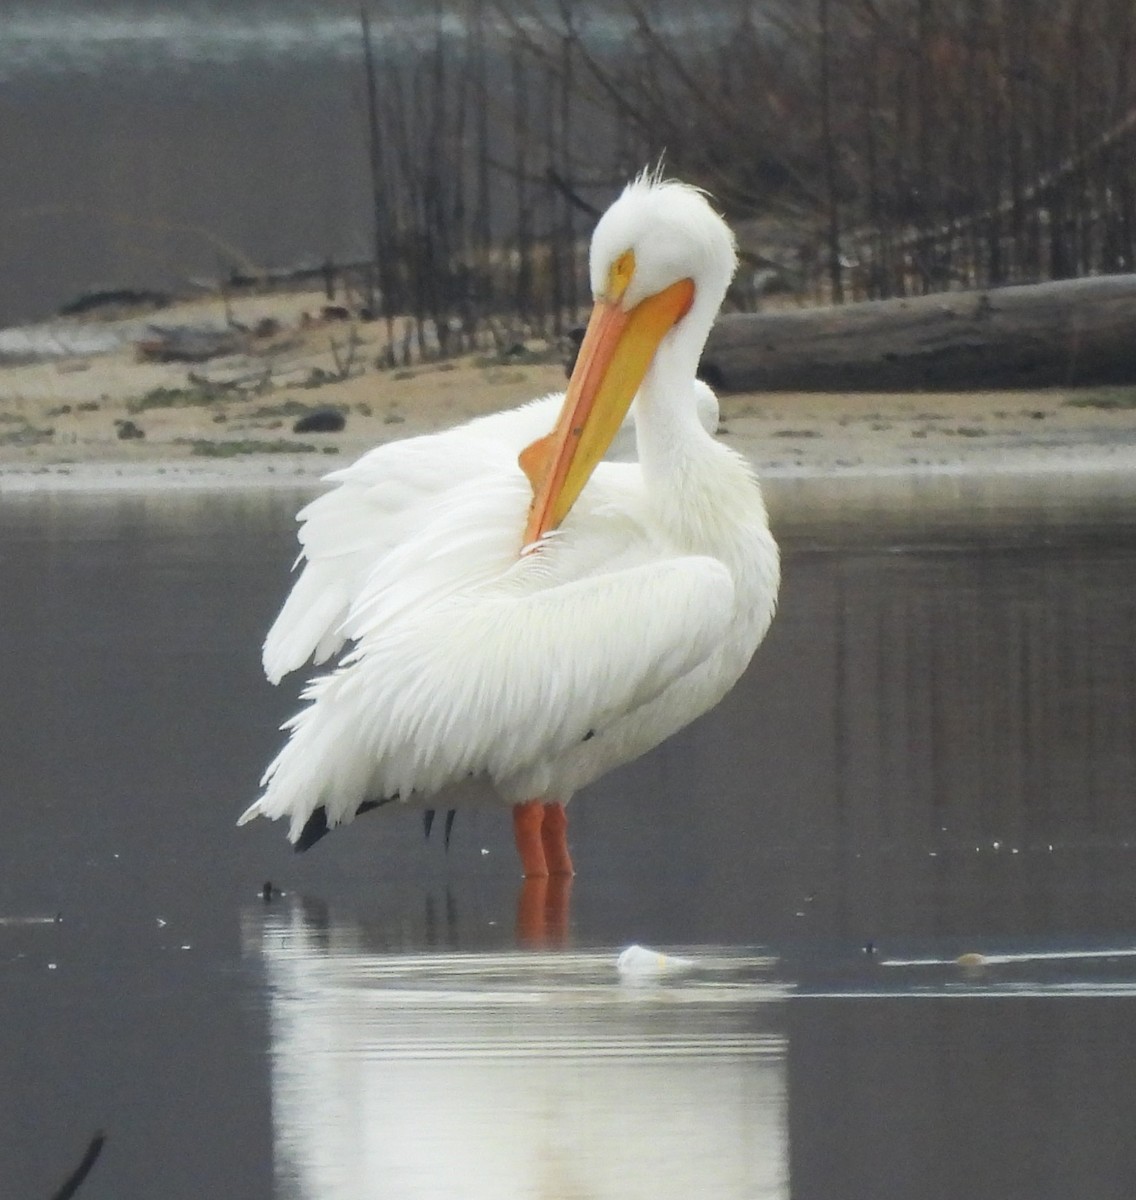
[619, 275]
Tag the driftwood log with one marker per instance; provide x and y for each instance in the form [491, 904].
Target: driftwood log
[186, 344]
[1064, 333]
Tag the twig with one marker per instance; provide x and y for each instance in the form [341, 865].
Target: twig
[73, 1181]
[570, 194]
[343, 365]
[260, 381]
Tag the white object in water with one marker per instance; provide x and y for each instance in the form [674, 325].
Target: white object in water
[639, 962]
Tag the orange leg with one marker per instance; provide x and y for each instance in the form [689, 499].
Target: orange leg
[528, 818]
[542, 912]
[554, 835]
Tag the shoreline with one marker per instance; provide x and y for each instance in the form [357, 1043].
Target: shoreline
[299, 472]
[111, 424]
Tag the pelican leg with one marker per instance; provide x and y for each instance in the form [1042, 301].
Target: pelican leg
[449, 827]
[528, 818]
[542, 912]
[554, 836]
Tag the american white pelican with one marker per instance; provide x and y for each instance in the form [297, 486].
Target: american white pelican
[521, 627]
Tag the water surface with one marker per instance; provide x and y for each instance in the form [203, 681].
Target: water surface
[931, 756]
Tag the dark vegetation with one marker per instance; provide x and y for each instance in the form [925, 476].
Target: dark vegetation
[864, 149]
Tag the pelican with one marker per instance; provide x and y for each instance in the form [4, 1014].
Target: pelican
[517, 617]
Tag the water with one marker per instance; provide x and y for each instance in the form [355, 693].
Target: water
[932, 756]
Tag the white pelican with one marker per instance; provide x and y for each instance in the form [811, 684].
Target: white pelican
[521, 627]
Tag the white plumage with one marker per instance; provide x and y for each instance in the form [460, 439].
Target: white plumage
[388, 494]
[478, 673]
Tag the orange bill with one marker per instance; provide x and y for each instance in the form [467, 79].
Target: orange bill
[614, 356]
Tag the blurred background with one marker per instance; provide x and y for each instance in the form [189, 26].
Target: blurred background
[451, 157]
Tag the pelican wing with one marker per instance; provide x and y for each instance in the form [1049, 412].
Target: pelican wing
[493, 666]
[378, 503]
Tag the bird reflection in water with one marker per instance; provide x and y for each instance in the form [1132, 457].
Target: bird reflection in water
[429, 1072]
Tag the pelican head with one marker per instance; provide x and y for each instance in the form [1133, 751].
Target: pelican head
[661, 260]
[658, 233]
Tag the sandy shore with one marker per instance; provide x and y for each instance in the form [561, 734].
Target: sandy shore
[229, 422]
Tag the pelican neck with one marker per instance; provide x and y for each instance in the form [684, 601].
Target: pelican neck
[668, 432]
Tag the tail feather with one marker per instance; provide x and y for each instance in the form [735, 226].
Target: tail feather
[317, 827]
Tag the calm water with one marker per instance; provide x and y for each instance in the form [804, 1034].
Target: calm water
[933, 752]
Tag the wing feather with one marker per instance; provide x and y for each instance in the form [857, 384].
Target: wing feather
[496, 681]
[386, 497]
[379, 502]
